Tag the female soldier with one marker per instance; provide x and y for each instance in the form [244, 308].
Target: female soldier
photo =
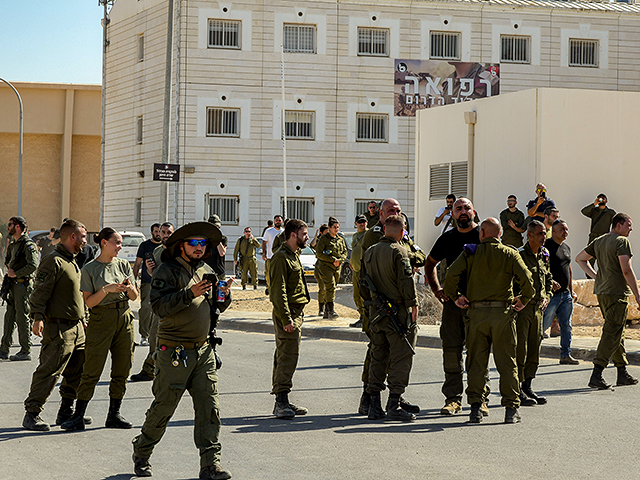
[321, 291]
[107, 286]
[331, 251]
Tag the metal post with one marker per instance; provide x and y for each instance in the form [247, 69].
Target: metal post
[105, 43]
[166, 119]
[20, 147]
[176, 157]
[284, 138]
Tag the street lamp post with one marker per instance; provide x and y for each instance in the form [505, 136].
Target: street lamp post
[20, 152]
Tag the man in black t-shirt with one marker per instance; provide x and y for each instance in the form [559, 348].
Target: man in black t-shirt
[216, 259]
[561, 303]
[145, 252]
[448, 247]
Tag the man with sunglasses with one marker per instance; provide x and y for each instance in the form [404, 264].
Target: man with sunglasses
[185, 360]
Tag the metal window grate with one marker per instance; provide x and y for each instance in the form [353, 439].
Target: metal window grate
[583, 53]
[139, 130]
[300, 208]
[299, 124]
[140, 47]
[362, 206]
[515, 49]
[372, 127]
[299, 38]
[222, 122]
[224, 33]
[446, 178]
[373, 41]
[226, 207]
[445, 45]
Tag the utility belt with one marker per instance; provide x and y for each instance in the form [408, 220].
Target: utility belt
[494, 304]
[122, 304]
[21, 280]
[170, 344]
[63, 321]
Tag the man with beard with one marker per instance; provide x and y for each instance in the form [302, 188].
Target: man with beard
[267, 246]
[452, 331]
[288, 294]
[145, 251]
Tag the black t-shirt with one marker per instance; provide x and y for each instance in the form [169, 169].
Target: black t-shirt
[145, 247]
[46, 247]
[449, 245]
[560, 263]
[216, 261]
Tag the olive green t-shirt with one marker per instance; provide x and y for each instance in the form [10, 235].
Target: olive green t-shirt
[96, 275]
[610, 279]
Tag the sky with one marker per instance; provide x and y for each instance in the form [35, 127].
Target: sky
[51, 41]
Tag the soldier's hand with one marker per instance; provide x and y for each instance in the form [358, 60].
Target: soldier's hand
[11, 273]
[289, 328]
[336, 263]
[441, 296]
[414, 314]
[201, 288]
[511, 224]
[555, 286]
[38, 326]
[517, 304]
[115, 288]
[264, 257]
[462, 302]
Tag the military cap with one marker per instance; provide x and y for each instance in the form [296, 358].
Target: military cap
[360, 218]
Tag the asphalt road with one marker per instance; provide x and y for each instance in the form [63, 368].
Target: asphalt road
[581, 433]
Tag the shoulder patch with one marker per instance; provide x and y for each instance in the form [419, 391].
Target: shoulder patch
[545, 254]
[406, 266]
[158, 283]
[327, 252]
[377, 229]
[470, 248]
[41, 276]
[521, 249]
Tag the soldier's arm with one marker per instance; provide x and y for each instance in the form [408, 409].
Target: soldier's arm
[278, 289]
[31, 255]
[523, 279]
[586, 211]
[236, 250]
[417, 256]
[404, 278]
[321, 248]
[254, 242]
[454, 274]
[343, 250]
[582, 259]
[46, 277]
[629, 275]
[166, 297]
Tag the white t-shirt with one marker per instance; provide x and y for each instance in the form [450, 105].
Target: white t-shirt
[445, 221]
[269, 236]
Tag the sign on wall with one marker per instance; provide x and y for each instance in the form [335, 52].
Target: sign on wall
[166, 172]
[422, 84]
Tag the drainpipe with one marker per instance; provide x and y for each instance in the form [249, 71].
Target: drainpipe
[470, 118]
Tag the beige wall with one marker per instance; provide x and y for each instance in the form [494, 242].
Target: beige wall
[47, 108]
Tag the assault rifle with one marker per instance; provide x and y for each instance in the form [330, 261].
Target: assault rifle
[384, 308]
[5, 289]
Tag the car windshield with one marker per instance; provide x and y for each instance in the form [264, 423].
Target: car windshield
[128, 241]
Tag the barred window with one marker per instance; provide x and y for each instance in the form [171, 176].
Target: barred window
[373, 41]
[515, 49]
[140, 47]
[299, 124]
[223, 122]
[299, 38]
[583, 53]
[372, 127]
[226, 207]
[300, 208]
[362, 206]
[139, 130]
[447, 178]
[224, 33]
[445, 45]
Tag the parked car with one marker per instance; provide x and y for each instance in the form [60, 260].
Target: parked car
[307, 258]
[130, 243]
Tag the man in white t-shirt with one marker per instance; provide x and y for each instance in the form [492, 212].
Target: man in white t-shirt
[443, 217]
[267, 244]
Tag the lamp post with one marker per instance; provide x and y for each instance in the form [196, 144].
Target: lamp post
[20, 152]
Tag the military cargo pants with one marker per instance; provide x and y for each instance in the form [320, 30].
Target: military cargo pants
[17, 315]
[452, 334]
[144, 321]
[529, 330]
[200, 379]
[61, 353]
[267, 277]
[149, 365]
[110, 330]
[356, 292]
[285, 357]
[249, 265]
[611, 346]
[327, 276]
[487, 327]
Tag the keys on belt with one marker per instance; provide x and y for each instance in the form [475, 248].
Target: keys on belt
[178, 354]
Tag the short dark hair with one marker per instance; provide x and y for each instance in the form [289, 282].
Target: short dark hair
[619, 218]
[394, 222]
[603, 196]
[105, 234]
[70, 226]
[451, 196]
[278, 215]
[512, 196]
[269, 222]
[558, 222]
[167, 224]
[332, 221]
[20, 221]
[373, 201]
[323, 228]
[550, 210]
[293, 226]
[535, 224]
[155, 225]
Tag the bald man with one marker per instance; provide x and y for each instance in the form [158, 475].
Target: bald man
[490, 269]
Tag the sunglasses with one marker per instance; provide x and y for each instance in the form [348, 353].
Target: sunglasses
[194, 243]
[9, 224]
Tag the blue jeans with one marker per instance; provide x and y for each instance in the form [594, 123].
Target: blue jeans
[561, 304]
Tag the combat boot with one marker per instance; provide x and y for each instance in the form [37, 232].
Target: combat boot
[408, 407]
[141, 377]
[394, 412]
[32, 421]
[76, 422]
[66, 412]
[528, 391]
[524, 400]
[20, 357]
[365, 401]
[114, 419]
[375, 409]
[625, 378]
[596, 380]
[332, 313]
[141, 467]
[475, 416]
[511, 415]
[320, 309]
[4, 355]
[484, 409]
[214, 472]
[282, 409]
[298, 410]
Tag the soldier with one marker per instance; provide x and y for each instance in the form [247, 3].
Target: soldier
[331, 251]
[289, 295]
[267, 243]
[529, 320]
[513, 223]
[21, 262]
[490, 269]
[388, 266]
[373, 213]
[244, 255]
[185, 360]
[356, 257]
[600, 216]
[615, 281]
[57, 309]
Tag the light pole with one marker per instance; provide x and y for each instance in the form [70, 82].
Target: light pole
[20, 152]
[107, 4]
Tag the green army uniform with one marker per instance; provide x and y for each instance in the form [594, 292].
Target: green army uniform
[278, 241]
[328, 250]
[22, 257]
[509, 235]
[57, 300]
[372, 219]
[490, 269]
[600, 220]
[245, 254]
[529, 319]
[356, 257]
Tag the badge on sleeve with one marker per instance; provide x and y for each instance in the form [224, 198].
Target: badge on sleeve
[158, 283]
[470, 248]
[406, 267]
[41, 277]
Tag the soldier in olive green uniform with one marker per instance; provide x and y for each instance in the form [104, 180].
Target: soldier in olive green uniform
[388, 266]
[529, 320]
[331, 252]
[373, 213]
[57, 309]
[356, 257]
[185, 359]
[600, 216]
[244, 254]
[513, 223]
[289, 294]
[490, 269]
[21, 261]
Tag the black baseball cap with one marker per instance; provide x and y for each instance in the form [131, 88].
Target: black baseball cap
[360, 218]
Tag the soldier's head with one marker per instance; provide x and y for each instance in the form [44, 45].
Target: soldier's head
[451, 198]
[602, 200]
[334, 226]
[166, 230]
[17, 226]
[361, 223]
[463, 213]
[192, 249]
[490, 228]
[389, 207]
[541, 190]
[621, 223]
[512, 201]
[296, 233]
[277, 221]
[247, 232]
[155, 232]
[536, 235]
[73, 236]
[559, 231]
[551, 214]
[109, 241]
[394, 227]
[372, 207]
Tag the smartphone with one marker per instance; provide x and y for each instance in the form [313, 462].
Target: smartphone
[212, 278]
[148, 256]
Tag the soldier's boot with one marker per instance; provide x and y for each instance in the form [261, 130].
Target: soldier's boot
[329, 312]
[408, 407]
[365, 401]
[596, 380]
[214, 472]
[321, 309]
[511, 415]
[297, 409]
[142, 467]
[65, 412]
[282, 409]
[475, 416]
[395, 412]
[32, 421]
[114, 419]
[528, 391]
[484, 409]
[375, 409]
[76, 422]
[357, 323]
[625, 378]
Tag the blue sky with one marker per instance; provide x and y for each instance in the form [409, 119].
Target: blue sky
[51, 41]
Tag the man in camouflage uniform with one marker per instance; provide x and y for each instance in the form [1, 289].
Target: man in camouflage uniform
[356, 257]
[331, 252]
[244, 255]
